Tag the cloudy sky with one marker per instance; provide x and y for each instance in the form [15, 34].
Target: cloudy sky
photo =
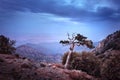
[50, 20]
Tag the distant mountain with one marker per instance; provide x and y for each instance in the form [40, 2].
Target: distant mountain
[57, 48]
[49, 48]
[46, 52]
[34, 54]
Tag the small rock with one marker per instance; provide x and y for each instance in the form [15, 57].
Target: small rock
[24, 65]
[42, 65]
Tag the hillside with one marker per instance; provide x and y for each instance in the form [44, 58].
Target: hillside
[37, 55]
[110, 43]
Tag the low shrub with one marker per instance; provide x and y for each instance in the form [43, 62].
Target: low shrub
[73, 56]
[6, 45]
[87, 62]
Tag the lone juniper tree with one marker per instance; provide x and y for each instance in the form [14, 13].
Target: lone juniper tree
[75, 40]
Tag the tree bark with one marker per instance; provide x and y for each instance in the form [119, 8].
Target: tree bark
[69, 55]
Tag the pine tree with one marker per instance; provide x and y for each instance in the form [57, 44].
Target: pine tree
[75, 40]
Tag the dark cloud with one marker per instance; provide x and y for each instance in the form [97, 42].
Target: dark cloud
[116, 2]
[54, 7]
[106, 13]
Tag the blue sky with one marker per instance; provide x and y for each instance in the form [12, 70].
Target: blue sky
[50, 20]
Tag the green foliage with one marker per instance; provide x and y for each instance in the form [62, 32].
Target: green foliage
[87, 62]
[6, 45]
[110, 69]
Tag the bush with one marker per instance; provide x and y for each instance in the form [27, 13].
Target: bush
[87, 62]
[107, 69]
[110, 69]
[73, 56]
[6, 45]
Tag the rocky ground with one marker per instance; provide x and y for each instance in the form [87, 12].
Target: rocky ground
[13, 67]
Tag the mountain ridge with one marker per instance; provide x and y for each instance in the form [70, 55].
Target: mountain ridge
[34, 54]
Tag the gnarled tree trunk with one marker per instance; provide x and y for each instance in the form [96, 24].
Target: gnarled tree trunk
[69, 55]
[68, 60]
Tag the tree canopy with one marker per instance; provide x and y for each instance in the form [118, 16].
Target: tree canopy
[78, 40]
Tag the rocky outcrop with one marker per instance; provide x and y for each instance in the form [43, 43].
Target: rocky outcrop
[111, 42]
